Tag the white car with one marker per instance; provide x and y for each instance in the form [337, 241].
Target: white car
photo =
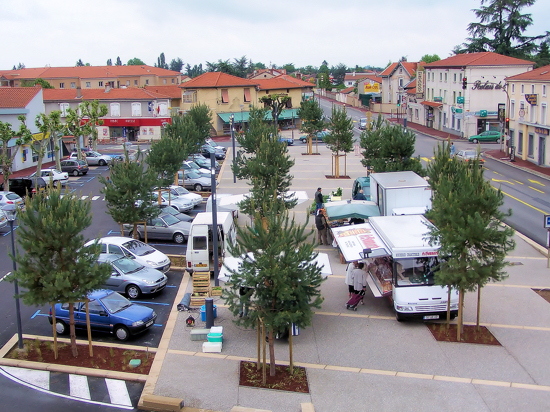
[194, 181]
[3, 219]
[168, 199]
[93, 158]
[141, 252]
[192, 166]
[186, 194]
[53, 175]
[10, 198]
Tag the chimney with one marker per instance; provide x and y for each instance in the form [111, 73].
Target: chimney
[107, 88]
[78, 93]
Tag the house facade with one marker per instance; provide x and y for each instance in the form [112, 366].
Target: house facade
[462, 93]
[527, 110]
[351, 79]
[394, 79]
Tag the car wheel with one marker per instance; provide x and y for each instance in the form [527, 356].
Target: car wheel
[498, 140]
[131, 234]
[55, 184]
[198, 187]
[75, 173]
[121, 333]
[133, 292]
[475, 141]
[399, 317]
[60, 327]
[303, 140]
[179, 238]
[102, 162]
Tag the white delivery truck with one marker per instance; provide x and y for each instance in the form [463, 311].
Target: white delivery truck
[400, 193]
[200, 249]
[400, 264]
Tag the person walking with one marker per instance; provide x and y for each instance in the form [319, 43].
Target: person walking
[453, 149]
[321, 225]
[359, 278]
[318, 199]
[349, 280]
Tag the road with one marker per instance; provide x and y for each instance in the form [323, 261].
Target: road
[526, 195]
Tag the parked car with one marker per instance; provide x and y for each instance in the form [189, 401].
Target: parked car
[207, 151]
[142, 253]
[94, 158]
[288, 140]
[10, 198]
[168, 210]
[109, 312]
[469, 156]
[3, 219]
[187, 165]
[488, 136]
[74, 167]
[215, 146]
[320, 136]
[131, 277]
[194, 181]
[363, 123]
[202, 161]
[54, 176]
[168, 199]
[182, 192]
[25, 185]
[163, 227]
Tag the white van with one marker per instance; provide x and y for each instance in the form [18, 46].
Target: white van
[400, 264]
[200, 249]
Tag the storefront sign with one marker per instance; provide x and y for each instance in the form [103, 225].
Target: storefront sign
[420, 84]
[136, 122]
[485, 113]
[487, 85]
[372, 88]
[460, 99]
[456, 109]
[438, 99]
[542, 131]
[531, 99]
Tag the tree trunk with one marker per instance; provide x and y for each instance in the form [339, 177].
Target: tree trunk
[448, 306]
[271, 353]
[478, 306]
[71, 329]
[264, 363]
[54, 331]
[310, 145]
[78, 147]
[460, 314]
[291, 361]
[56, 149]
[90, 347]
[258, 326]
[337, 166]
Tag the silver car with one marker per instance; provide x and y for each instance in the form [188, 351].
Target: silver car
[163, 227]
[181, 204]
[3, 219]
[188, 166]
[94, 158]
[194, 181]
[132, 278]
[10, 198]
[186, 194]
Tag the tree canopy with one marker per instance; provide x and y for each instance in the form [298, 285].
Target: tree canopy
[135, 62]
[430, 58]
[7, 133]
[311, 116]
[340, 137]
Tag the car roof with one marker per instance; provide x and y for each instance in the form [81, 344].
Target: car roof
[115, 240]
[99, 294]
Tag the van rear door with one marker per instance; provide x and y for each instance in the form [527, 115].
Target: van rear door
[200, 259]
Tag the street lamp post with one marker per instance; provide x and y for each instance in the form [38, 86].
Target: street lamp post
[231, 119]
[11, 213]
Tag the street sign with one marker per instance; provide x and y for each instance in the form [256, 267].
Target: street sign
[547, 221]
[460, 99]
[483, 113]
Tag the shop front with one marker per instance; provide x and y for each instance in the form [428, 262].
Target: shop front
[431, 112]
[132, 130]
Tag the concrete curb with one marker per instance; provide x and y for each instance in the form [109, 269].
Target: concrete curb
[525, 169]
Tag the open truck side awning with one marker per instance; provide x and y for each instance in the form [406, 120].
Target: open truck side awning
[361, 209]
[231, 202]
[353, 239]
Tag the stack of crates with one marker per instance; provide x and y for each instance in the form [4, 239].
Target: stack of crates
[201, 285]
[215, 340]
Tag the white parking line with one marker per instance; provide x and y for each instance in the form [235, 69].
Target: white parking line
[95, 197]
[84, 198]
[79, 386]
[118, 392]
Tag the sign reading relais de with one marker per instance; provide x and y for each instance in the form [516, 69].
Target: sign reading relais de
[531, 99]
[372, 88]
[478, 85]
[420, 84]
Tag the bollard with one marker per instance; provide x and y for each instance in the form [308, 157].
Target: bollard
[209, 306]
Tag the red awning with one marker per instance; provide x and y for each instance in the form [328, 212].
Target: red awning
[225, 96]
[246, 95]
[431, 104]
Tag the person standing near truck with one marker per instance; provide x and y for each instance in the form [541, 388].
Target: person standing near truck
[321, 225]
[359, 278]
[318, 199]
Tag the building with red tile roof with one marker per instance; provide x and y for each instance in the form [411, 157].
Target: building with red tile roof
[266, 73]
[394, 78]
[350, 79]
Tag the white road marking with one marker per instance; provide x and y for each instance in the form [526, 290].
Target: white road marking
[84, 198]
[34, 377]
[95, 197]
[79, 386]
[118, 392]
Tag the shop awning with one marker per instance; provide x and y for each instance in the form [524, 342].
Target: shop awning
[285, 114]
[360, 209]
[238, 117]
[431, 104]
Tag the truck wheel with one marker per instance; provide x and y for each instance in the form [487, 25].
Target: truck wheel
[399, 317]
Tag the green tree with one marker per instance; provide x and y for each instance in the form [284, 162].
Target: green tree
[311, 116]
[289, 67]
[501, 28]
[118, 62]
[277, 103]
[54, 268]
[176, 64]
[109, 62]
[8, 152]
[19, 66]
[161, 62]
[79, 63]
[128, 192]
[41, 82]
[75, 126]
[135, 62]
[543, 57]
[93, 111]
[340, 138]
[50, 127]
[430, 58]
[389, 148]
[285, 282]
[201, 115]
[194, 71]
[339, 73]
[240, 67]
[467, 218]
[165, 159]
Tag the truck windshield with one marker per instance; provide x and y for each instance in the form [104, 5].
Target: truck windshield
[415, 271]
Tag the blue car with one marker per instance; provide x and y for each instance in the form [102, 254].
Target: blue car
[109, 312]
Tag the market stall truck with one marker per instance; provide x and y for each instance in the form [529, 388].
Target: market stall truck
[400, 264]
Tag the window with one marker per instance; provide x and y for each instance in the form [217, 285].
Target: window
[247, 95]
[172, 81]
[115, 250]
[94, 307]
[512, 143]
[512, 109]
[533, 89]
[199, 242]
[135, 82]
[115, 109]
[544, 90]
[163, 81]
[445, 77]
[513, 87]
[522, 89]
[532, 114]
[454, 78]
[163, 109]
[146, 82]
[461, 76]
[88, 84]
[440, 77]
[189, 96]
[454, 97]
[400, 82]
[444, 96]
[73, 85]
[520, 142]
[416, 113]
[531, 145]
[63, 107]
[127, 82]
[61, 85]
[136, 109]
[457, 124]
[543, 111]
[225, 96]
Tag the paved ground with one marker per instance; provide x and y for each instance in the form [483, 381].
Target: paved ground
[365, 360]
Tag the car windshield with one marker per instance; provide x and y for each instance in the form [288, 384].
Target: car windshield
[209, 148]
[192, 175]
[126, 265]
[196, 156]
[170, 220]
[82, 162]
[138, 248]
[471, 153]
[179, 191]
[115, 303]
[94, 153]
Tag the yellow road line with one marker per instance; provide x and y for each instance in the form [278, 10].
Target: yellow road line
[517, 182]
[497, 173]
[426, 159]
[537, 190]
[502, 181]
[526, 204]
[536, 182]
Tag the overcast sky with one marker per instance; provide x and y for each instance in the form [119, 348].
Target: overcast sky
[303, 32]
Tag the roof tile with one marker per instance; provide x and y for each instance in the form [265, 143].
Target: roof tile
[478, 59]
[542, 74]
[17, 97]
[217, 79]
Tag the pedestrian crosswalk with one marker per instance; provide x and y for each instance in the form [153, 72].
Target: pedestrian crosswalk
[113, 392]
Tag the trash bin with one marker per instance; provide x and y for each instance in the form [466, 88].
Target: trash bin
[203, 312]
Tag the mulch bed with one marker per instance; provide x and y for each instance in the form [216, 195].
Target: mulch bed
[470, 335]
[112, 358]
[282, 380]
[308, 154]
[339, 177]
[544, 293]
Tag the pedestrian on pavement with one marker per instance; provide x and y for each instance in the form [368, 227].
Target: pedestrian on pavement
[243, 292]
[321, 225]
[349, 281]
[360, 196]
[318, 199]
[453, 149]
[359, 278]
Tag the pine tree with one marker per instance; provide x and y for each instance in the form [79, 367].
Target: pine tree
[311, 116]
[109, 62]
[340, 138]
[201, 115]
[56, 266]
[118, 62]
[79, 63]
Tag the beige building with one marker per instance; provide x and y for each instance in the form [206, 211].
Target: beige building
[394, 79]
[527, 110]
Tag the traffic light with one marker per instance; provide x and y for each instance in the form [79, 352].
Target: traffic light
[398, 101]
[507, 124]
[464, 83]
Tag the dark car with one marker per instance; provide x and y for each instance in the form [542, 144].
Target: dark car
[24, 185]
[109, 312]
[207, 151]
[74, 167]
